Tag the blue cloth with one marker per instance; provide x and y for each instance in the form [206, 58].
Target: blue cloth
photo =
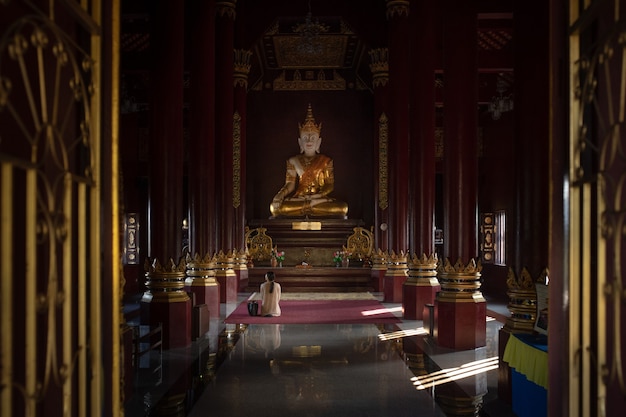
[529, 399]
[538, 341]
[527, 355]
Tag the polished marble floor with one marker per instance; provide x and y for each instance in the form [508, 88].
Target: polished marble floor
[320, 370]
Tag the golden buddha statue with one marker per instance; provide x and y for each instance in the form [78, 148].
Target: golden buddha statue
[309, 179]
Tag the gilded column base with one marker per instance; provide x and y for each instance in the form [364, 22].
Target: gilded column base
[460, 308]
[460, 405]
[379, 269]
[522, 302]
[395, 277]
[421, 286]
[226, 277]
[240, 267]
[416, 363]
[167, 303]
[202, 282]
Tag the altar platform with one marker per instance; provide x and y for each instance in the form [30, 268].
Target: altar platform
[311, 240]
[315, 279]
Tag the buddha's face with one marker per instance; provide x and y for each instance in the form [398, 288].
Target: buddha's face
[309, 142]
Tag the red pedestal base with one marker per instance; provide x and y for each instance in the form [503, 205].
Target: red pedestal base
[173, 310]
[378, 279]
[207, 294]
[242, 279]
[415, 297]
[228, 288]
[461, 324]
[393, 288]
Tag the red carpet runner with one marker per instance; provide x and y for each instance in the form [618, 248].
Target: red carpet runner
[319, 312]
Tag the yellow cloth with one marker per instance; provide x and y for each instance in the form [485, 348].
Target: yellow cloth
[527, 360]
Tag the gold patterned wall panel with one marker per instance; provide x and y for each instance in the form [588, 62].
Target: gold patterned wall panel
[236, 160]
[383, 162]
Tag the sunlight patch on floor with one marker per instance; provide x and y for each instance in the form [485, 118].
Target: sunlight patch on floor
[402, 333]
[381, 311]
[453, 374]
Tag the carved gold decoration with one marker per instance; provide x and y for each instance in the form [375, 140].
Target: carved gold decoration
[236, 160]
[224, 264]
[360, 243]
[460, 282]
[242, 67]
[131, 239]
[288, 55]
[226, 8]
[312, 81]
[397, 264]
[200, 271]
[165, 278]
[313, 44]
[459, 267]
[522, 302]
[380, 260]
[258, 244]
[488, 234]
[383, 167]
[397, 8]
[240, 259]
[423, 270]
[379, 66]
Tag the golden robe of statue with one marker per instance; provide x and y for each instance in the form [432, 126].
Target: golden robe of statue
[309, 179]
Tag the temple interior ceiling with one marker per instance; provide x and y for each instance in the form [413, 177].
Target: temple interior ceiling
[288, 44]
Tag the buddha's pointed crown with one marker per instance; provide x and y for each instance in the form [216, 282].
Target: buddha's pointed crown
[309, 124]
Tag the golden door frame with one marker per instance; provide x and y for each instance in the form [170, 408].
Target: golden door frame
[60, 308]
[597, 176]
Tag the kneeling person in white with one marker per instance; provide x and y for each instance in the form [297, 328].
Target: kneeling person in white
[270, 296]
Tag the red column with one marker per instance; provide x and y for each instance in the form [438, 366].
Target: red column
[532, 130]
[420, 290]
[202, 174]
[225, 24]
[460, 308]
[532, 115]
[201, 166]
[399, 69]
[460, 130]
[423, 63]
[166, 147]
[166, 302]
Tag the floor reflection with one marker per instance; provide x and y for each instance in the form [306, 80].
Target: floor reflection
[320, 370]
[317, 370]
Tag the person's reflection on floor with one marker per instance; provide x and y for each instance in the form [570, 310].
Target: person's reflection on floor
[270, 339]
